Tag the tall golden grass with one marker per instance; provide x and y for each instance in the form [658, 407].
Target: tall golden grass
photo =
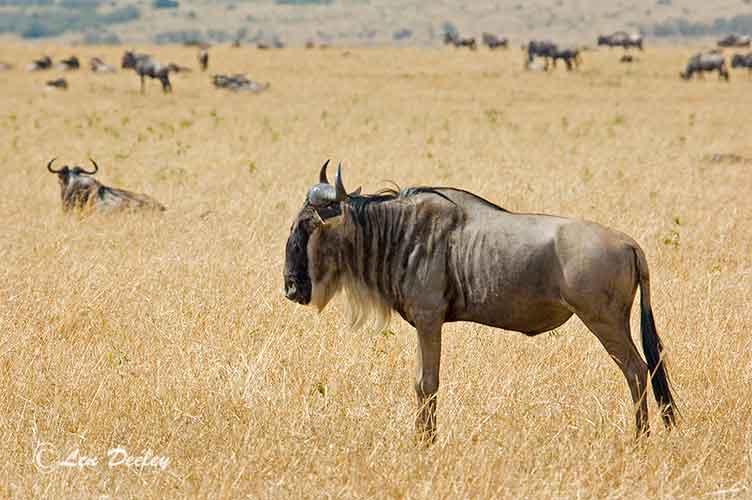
[170, 333]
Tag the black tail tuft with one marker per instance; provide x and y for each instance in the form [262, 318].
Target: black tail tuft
[653, 349]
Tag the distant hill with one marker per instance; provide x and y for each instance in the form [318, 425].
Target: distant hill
[363, 22]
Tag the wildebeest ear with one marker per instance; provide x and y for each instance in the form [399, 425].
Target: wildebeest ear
[356, 192]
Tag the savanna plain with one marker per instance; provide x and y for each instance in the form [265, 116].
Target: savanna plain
[169, 333]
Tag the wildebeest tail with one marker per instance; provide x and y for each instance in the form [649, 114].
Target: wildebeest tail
[652, 346]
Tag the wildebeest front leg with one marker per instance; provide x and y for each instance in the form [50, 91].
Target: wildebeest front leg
[427, 380]
[142, 83]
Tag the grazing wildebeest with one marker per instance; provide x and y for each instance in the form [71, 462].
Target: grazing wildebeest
[495, 42]
[436, 255]
[40, 64]
[570, 56]
[60, 84]
[457, 41]
[203, 58]
[541, 48]
[80, 192]
[70, 64]
[144, 65]
[238, 83]
[621, 39]
[99, 66]
[700, 63]
[734, 40]
[742, 61]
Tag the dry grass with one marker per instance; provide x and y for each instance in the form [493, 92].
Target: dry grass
[170, 333]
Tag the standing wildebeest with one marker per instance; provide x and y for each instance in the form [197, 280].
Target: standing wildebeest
[742, 61]
[541, 48]
[621, 39]
[40, 64]
[734, 40]
[495, 42]
[437, 255]
[81, 192]
[700, 63]
[144, 65]
[70, 64]
[457, 41]
[203, 58]
[571, 57]
[99, 66]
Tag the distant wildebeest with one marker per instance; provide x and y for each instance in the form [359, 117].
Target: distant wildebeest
[40, 64]
[59, 84]
[495, 42]
[144, 65]
[734, 40]
[78, 191]
[570, 56]
[5, 66]
[70, 64]
[627, 58]
[99, 66]
[176, 68]
[457, 41]
[700, 63]
[541, 48]
[310, 44]
[203, 58]
[437, 255]
[621, 39]
[238, 83]
[742, 61]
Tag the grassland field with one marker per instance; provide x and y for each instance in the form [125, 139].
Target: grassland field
[170, 334]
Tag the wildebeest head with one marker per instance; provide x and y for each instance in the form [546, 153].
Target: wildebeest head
[323, 205]
[129, 60]
[67, 175]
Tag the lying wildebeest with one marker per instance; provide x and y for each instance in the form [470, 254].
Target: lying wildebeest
[40, 64]
[99, 66]
[203, 58]
[70, 64]
[700, 63]
[541, 48]
[627, 58]
[238, 83]
[144, 65]
[734, 40]
[742, 61]
[457, 41]
[5, 66]
[176, 68]
[436, 255]
[81, 192]
[570, 56]
[621, 39]
[60, 84]
[495, 42]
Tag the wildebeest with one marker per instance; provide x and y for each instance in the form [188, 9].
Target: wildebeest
[79, 191]
[144, 65]
[735, 40]
[457, 41]
[5, 66]
[627, 58]
[238, 83]
[70, 64]
[99, 66]
[541, 48]
[495, 42]
[621, 39]
[742, 61]
[436, 255]
[203, 58]
[40, 64]
[570, 56]
[59, 84]
[700, 63]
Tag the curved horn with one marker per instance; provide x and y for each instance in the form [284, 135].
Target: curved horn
[96, 168]
[341, 192]
[322, 173]
[49, 167]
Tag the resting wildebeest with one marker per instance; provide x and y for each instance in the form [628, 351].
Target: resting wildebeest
[40, 64]
[144, 65]
[494, 42]
[571, 57]
[541, 48]
[621, 39]
[436, 255]
[60, 84]
[742, 61]
[99, 66]
[735, 41]
[70, 64]
[5, 66]
[81, 192]
[700, 63]
[457, 41]
[239, 83]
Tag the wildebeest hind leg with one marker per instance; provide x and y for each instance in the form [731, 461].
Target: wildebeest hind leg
[427, 380]
[614, 334]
